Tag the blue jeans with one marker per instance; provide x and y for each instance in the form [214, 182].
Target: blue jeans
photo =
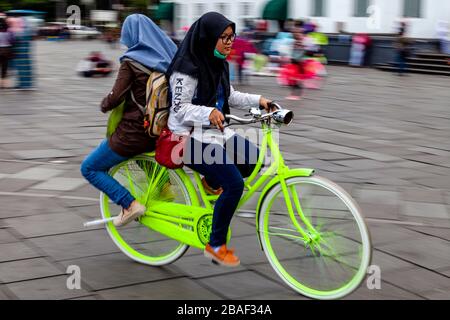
[95, 169]
[401, 62]
[231, 164]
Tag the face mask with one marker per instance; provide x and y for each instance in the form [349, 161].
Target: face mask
[217, 54]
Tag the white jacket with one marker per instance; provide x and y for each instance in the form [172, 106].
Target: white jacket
[184, 115]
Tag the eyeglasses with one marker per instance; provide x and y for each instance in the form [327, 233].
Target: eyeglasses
[228, 38]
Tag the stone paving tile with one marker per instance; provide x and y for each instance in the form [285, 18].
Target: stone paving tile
[387, 234]
[115, 270]
[231, 285]
[250, 248]
[26, 270]
[88, 212]
[37, 173]
[198, 266]
[361, 164]
[52, 288]
[16, 251]
[379, 211]
[76, 203]
[443, 233]
[445, 271]
[9, 167]
[14, 185]
[422, 195]
[363, 175]
[241, 226]
[90, 297]
[7, 237]
[172, 289]
[428, 210]
[420, 281]
[356, 152]
[5, 293]
[437, 294]
[425, 251]
[377, 197]
[405, 173]
[46, 224]
[330, 156]
[286, 294]
[386, 292]
[389, 263]
[86, 190]
[81, 244]
[61, 184]
[388, 181]
[41, 154]
[441, 182]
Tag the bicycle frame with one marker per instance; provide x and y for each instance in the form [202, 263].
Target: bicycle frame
[181, 222]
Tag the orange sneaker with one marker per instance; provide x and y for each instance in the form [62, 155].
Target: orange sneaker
[223, 256]
[210, 190]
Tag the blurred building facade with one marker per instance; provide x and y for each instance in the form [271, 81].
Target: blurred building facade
[187, 11]
[371, 16]
[374, 16]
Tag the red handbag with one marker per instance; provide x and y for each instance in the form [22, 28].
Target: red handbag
[169, 149]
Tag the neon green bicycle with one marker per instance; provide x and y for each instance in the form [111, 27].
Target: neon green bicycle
[310, 229]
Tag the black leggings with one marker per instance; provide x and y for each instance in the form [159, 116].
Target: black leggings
[4, 66]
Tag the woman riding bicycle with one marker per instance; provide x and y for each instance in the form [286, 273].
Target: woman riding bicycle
[148, 48]
[201, 93]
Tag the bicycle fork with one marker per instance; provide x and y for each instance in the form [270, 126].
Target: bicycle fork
[310, 236]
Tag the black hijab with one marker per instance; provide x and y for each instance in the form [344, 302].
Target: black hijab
[195, 57]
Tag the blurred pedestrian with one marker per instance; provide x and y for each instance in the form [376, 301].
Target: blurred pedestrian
[443, 34]
[22, 53]
[402, 46]
[360, 43]
[6, 53]
[241, 47]
[149, 49]
[94, 65]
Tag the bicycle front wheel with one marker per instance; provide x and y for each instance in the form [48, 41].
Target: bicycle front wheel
[328, 257]
[147, 181]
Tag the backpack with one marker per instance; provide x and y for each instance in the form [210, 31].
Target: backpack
[156, 109]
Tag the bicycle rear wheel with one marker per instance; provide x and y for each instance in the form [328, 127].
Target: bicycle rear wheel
[335, 261]
[147, 181]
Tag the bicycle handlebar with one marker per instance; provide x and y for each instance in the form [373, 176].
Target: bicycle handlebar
[280, 115]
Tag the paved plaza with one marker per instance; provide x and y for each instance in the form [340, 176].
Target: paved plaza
[384, 138]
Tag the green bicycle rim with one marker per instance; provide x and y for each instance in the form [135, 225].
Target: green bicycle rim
[171, 256]
[351, 285]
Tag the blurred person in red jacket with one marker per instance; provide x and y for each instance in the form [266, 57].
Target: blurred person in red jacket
[360, 44]
[241, 47]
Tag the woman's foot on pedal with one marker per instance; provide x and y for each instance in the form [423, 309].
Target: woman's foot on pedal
[127, 215]
[222, 255]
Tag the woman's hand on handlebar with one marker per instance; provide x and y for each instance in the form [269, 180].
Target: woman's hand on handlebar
[216, 119]
[266, 104]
